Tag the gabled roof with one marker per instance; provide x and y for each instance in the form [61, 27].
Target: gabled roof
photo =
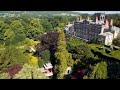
[47, 66]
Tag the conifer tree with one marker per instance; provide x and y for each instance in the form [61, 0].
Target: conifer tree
[63, 58]
[99, 71]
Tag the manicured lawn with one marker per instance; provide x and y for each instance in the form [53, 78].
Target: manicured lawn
[75, 42]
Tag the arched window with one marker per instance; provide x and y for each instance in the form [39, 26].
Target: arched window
[101, 18]
[68, 71]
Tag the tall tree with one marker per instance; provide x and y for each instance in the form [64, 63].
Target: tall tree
[3, 29]
[19, 30]
[45, 56]
[36, 30]
[33, 61]
[49, 40]
[46, 25]
[63, 58]
[99, 71]
[9, 36]
[11, 55]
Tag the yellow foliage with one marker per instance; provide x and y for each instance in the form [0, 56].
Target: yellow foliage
[30, 42]
[33, 61]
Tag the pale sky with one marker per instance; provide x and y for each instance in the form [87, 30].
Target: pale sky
[92, 12]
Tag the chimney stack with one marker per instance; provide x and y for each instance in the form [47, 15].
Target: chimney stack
[88, 18]
[106, 23]
[102, 21]
[96, 19]
[111, 22]
[80, 18]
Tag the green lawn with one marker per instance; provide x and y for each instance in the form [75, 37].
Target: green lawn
[75, 42]
[115, 54]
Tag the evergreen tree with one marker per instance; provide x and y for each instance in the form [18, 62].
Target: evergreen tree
[63, 58]
[45, 56]
[99, 71]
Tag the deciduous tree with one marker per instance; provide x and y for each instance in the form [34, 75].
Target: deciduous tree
[35, 29]
[4, 76]
[30, 72]
[11, 55]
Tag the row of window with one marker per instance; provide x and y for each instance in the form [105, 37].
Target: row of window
[88, 30]
[85, 25]
[85, 36]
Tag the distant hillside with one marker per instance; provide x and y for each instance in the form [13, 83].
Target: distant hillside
[42, 12]
[45, 13]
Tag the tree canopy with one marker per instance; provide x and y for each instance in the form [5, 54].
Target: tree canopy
[29, 72]
[63, 58]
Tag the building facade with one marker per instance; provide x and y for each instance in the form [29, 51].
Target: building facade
[99, 27]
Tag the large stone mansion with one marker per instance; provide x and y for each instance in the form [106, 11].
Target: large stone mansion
[88, 29]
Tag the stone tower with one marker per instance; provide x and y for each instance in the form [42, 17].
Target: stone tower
[96, 19]
[101, 17]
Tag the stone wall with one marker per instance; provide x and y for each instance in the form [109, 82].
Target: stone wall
[87, 31]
